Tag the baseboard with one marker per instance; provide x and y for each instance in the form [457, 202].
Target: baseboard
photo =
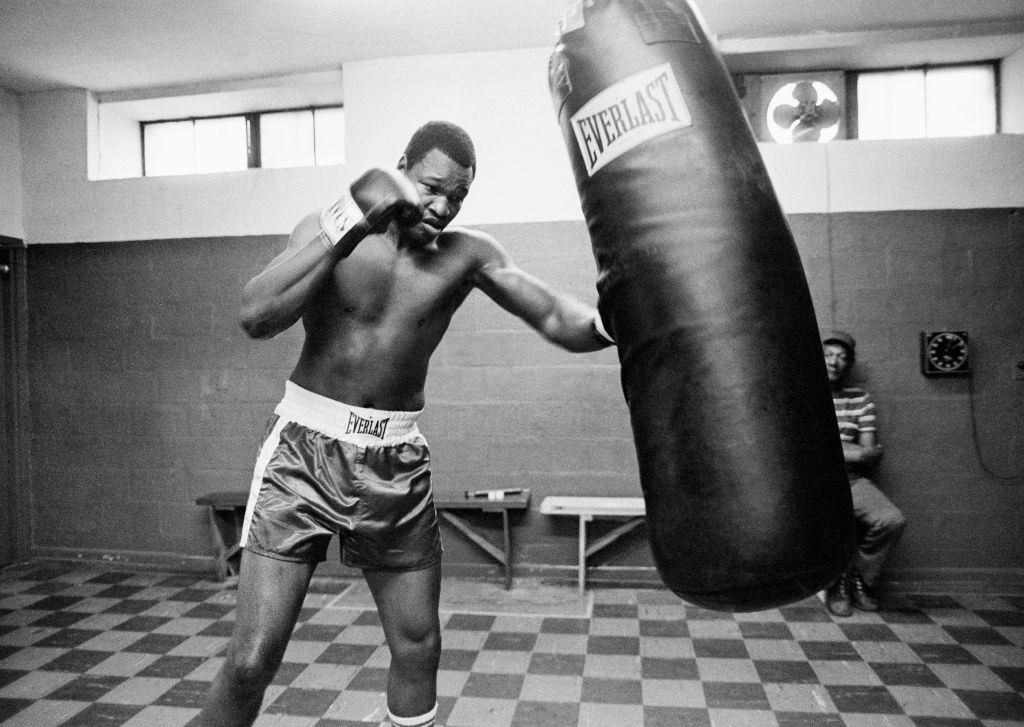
[129, 559]
[992, 581]
[605, 576]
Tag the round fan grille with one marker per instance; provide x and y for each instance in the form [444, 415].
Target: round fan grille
[803, 111]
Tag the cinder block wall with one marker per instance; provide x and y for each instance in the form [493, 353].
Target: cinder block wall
[954, 448]
[144, 391]
[146, 394]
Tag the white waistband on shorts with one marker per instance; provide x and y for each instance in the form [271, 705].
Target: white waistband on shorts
[355, 424]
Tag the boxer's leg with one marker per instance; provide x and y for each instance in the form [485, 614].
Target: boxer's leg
[407, 603]
[270, 594]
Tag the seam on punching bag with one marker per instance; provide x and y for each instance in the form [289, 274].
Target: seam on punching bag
[662, 21]
[559, 80]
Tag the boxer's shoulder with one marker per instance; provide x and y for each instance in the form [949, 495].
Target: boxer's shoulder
[476, 248]
[455, 235]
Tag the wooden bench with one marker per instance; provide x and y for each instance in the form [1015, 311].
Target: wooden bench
[227, 510]
[447, 504]
[586, 509]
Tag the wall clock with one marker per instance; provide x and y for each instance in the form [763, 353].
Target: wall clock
[945, 353]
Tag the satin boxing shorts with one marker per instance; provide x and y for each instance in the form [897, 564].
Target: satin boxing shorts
[326, 469]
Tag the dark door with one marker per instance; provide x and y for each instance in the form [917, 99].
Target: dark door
[14, 493]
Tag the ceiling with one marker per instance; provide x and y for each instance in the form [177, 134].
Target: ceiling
[118, 46]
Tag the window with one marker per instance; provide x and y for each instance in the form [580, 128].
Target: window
[291, 138]
[908, 103]
[301, 138]
[927, 102]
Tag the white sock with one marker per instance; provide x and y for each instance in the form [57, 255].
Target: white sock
[424, 720]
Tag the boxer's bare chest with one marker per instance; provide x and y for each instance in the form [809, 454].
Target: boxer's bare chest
[404, 287]
[371, 331]
[386, 304]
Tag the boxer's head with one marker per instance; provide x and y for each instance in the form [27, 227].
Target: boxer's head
[840, 352]
[445, 136]
[441, 162]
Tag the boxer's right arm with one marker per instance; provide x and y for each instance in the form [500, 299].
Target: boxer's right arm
[277, 297]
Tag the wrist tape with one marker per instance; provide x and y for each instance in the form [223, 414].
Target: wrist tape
[339, 218]
[600, 330]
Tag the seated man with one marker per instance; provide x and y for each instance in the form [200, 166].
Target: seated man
[880, 523]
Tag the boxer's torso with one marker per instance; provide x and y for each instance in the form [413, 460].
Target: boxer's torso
[371, 330]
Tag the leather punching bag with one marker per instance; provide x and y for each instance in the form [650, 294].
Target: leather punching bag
[701, 285]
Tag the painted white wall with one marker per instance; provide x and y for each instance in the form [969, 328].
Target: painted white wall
[524, 175]
[501, 99]
[62, 205]
[10, 167]
[1011, 73]
[904, 174]
[117, 141]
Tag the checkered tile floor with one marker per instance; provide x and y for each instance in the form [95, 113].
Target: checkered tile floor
[80, 646]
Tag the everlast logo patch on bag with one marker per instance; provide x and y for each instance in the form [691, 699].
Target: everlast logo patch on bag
[628, 113]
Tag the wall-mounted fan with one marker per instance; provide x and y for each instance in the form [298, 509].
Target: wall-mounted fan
[788, 108]
[808, 113]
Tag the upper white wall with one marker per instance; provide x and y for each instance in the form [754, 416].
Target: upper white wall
[524, 175]
[501, 99]
[1012, 93]
[905, 174]
[10, 168]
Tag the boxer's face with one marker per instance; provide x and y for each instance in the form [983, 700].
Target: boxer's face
[443, 185]
[837, 361]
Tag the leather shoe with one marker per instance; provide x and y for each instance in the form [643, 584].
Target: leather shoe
[860, 593]
[837, 597]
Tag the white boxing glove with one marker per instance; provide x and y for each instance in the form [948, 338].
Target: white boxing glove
[375, 199]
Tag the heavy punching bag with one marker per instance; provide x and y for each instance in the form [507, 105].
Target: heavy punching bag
[701, 285]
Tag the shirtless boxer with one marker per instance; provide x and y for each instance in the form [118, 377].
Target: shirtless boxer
[375, 284]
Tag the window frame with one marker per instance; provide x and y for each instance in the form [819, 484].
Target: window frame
[853, 102]
[252, 129]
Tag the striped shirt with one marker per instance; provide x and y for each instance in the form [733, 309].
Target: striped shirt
[855, 413]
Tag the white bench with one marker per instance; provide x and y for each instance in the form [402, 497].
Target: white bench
[588, 508]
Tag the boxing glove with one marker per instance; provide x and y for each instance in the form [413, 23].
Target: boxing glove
[376, 198]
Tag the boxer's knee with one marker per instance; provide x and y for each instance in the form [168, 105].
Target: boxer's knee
[416, 650]
[250, 669]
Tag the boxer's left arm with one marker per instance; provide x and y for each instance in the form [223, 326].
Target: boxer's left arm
[560, 318]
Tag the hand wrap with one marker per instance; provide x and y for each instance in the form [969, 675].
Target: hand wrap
[339, 218]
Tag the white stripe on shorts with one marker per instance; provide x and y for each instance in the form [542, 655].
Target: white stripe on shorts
[266, 452]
